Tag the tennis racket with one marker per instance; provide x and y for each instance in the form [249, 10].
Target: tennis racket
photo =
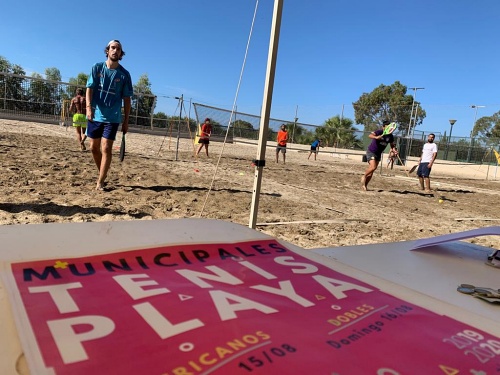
[122, 148]
[413, 168]
[389, 129]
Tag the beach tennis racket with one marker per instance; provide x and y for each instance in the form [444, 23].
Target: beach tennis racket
[122, 148]
[413, 168]
[389, 129]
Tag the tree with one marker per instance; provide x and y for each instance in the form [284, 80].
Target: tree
[143, 100]
[11, 85]
[297, 133]
[386, 102]
[39, 95]
[52, 74]
[242, 128]
[74, 83]
[55, 89]
[488, 126]
[160, 120]
[338, 132]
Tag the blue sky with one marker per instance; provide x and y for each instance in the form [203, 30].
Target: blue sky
[330, 51]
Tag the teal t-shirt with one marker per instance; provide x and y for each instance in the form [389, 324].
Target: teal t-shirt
[109, 87]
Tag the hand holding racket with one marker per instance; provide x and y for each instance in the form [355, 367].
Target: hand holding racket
[389, 129]
[122, 148]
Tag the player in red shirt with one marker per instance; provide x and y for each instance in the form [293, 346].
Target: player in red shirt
[205, 133]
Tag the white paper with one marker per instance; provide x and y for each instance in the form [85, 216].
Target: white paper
[428, 242]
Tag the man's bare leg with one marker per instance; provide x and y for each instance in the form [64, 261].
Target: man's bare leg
[365, 179]
[106, 156]
[95, 147]
[427, 184]
[83, 138]
[421, 181]
[79, 138]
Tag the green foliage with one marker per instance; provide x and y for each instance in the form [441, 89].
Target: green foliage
[338, 133]
[142, 102]
[242, 124]
[243, 129]
[13, 86]
[304, 136]
[74, 83]
[160, 120]
[7, 67]
[296, 132]
[53, 74]
[487, 127]
[386, 102]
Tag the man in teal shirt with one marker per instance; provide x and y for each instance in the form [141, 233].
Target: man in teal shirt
[109, 84]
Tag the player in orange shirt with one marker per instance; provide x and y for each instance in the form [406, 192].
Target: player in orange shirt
[281, 139]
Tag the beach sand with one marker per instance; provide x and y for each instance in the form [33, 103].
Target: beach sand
[46, 178]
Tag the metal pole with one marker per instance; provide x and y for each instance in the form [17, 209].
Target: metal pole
[341, 116]
[136, 109]
[410, 142]
[413, 118]
[153, 111]
[489, 161]
[179, 129]
[266, 110]
[336, 143]
[295, 123]
[452, 122]
[472, 131]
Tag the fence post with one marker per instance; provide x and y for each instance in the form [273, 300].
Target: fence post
[153, 111]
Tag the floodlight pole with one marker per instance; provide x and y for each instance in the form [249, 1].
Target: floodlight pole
[266, 110]
[452, 122]
[412, 118]
[473, 126]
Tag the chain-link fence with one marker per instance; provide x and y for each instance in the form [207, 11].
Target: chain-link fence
[41, 100]
[244, 125]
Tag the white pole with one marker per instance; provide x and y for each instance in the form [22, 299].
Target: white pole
[266, 110]
[153, 112]
[295, 123]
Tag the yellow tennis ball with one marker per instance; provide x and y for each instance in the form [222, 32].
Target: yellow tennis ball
[440, 201]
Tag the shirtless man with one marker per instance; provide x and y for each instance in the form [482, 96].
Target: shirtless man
[77, 107]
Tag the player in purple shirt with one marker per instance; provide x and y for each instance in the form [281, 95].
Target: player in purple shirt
[374, 152]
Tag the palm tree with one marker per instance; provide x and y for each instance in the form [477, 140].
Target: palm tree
[338, 132]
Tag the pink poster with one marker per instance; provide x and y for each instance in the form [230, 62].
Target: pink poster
[240, 308]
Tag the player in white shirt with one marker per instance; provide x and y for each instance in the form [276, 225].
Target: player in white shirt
[429, 153]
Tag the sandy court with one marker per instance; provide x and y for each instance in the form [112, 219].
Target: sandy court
[46, 178]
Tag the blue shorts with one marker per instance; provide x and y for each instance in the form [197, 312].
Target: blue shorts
[96, 130]
[313, 149]
[423, 170]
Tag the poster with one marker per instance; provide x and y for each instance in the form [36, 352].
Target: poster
[230, 308]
